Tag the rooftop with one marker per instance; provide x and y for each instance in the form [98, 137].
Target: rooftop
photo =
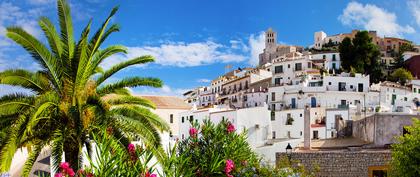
[167, 102]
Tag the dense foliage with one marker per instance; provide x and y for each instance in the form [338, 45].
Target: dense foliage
[402, 76]
[406, 153]
[216, 150]
[362, 55]
[71, 99]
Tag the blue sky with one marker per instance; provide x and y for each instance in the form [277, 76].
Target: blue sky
[193, 40]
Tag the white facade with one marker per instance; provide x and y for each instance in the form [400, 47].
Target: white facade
[331, 60]
[255, 120]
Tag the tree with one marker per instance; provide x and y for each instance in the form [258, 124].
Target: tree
[71, 99]
[401, 75]
[346, 53]
[361, 54]
[399, 59]
[405, 153]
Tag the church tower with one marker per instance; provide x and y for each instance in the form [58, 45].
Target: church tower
[270, 40]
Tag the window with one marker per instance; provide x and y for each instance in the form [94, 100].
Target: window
[274, 134]
[405, 98]
[278, 69]
[309, 65]
[298, 67]
[415, 90]
[277, 81]
[300, 115]
[329, 83]
[182, 119]
[273, 96]
[171, 118]
[301, 133]
[191, 118]
[273, 107]
[273, 115]
[288, 66]
[315, 134]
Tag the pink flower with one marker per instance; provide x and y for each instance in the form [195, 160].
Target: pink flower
[70, 172]
[193, 132]
[229, 166]
[230, 128]
[64, 165]
[58, 175]
[131, 148]
[150, 175]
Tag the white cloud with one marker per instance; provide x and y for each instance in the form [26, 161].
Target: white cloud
[414, 6]
[12, 15]
[181, 54]
[203, 80]
[372, 17]
[165, 90]
[256, 46]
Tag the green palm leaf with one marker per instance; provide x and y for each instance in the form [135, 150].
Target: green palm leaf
[129, 82]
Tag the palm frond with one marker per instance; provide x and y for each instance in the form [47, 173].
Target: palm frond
[57, 149]
[52, 36]
[12, 144]
[123, 65]
[95, 41]
[37, 82]
[33, 155]
[38, 51]
[105, 53]
[128, 99]
[66, 28]
[129, 82]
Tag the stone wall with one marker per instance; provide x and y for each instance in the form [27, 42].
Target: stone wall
[382, 129]
[339, 163]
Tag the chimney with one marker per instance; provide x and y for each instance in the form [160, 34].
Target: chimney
[307, 129]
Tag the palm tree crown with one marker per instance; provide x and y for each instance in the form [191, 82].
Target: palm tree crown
[71, 99]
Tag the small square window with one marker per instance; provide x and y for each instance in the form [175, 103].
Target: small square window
[329, 83]
[300, 115]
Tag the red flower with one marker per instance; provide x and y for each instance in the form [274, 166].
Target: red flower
[150, 175]
[131, 148]
[64, 165]
[58, 175]
[193, 132]
[70, 172]
[229, 167]
[230, 128]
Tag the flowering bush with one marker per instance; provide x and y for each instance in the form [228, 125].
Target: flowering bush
[113, 158]
[218, 151]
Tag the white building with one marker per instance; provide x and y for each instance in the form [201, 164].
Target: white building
[255, 120]
[329, 60]
[168, 108]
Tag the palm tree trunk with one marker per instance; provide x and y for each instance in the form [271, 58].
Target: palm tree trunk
[72, 154]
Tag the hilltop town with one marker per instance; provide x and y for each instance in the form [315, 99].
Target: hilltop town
[301, 99]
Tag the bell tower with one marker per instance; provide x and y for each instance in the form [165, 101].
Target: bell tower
[270, 39]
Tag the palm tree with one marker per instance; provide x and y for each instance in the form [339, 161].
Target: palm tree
[71, 100]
